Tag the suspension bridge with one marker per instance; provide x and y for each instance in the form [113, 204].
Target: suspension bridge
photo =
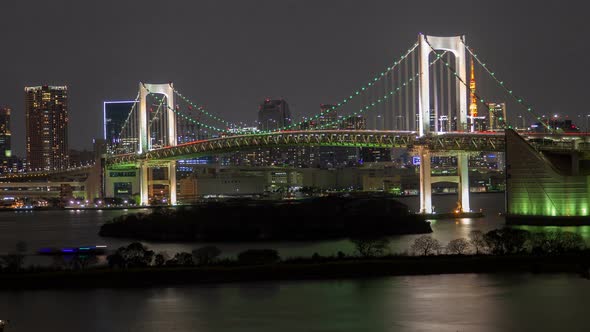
[423, 101]
[420, 102]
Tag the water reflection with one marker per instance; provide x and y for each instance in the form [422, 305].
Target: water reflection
[417, 303]
[71, 228]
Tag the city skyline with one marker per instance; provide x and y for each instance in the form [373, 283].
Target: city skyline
[337, 50]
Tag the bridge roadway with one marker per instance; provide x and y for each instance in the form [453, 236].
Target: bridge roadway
[452, 141]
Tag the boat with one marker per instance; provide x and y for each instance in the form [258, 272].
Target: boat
[83, 250]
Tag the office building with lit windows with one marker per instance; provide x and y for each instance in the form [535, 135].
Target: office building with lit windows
[5, 149]
[497, 116]
[46, 112]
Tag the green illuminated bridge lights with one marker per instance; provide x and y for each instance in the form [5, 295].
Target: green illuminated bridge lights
[335, 138]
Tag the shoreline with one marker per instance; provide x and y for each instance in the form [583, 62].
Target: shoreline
[323, 268]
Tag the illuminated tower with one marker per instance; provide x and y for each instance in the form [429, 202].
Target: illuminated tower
[473, 102]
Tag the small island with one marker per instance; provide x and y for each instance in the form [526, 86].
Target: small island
[315, 218]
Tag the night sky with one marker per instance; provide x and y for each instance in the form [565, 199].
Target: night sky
[229, 55]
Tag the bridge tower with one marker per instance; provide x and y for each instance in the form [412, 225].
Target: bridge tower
[144, 137]
[455, 45]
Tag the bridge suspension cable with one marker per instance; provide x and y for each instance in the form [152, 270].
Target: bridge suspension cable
[387, 96]
[478, 96]
[128, 130]
[362, 91]
[204, 111]
[500, 83]
[189, 118]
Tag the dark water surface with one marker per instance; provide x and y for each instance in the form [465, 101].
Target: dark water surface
[79, 228]
[463, 302]
[415, 303]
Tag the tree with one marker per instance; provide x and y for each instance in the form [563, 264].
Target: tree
[81, 262]
[134, 255]
[367, 247]
[506, 241]
[572, 241]
[458, 246]
[425, 245]
[476, 239]
[116, 260]
[182, 258]
[555, 242]
[137, 255]
[206, 255]
[161, 258]
[259, 256]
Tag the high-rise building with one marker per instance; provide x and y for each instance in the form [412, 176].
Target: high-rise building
[115, 114]
[329, 117]
[273, 114]
[358, 122]
[497, 116]
[5, 149]
[46, 110]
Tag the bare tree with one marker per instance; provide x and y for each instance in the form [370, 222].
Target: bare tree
[458, 246]
[477, 240]
[367, 247]
[425, 245]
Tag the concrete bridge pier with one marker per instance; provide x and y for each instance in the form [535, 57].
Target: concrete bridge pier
[143, 183]
[172, 181]
[463, 170]
[425, 180]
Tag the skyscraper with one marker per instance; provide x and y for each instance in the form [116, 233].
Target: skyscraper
[273, 114]
[115, 114]
[329, 117]
[5, 149]
[358, 122]
[497, 115]
[46, 110]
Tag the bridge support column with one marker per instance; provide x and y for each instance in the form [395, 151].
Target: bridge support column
[172, 179]
[425, 181]
[143, 183]
[463, 169]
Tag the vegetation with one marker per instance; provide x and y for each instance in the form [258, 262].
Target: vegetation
[458, 247]
[503, 250]
[254, 220]
[206, 255]
[370, 247]
[425, 245]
